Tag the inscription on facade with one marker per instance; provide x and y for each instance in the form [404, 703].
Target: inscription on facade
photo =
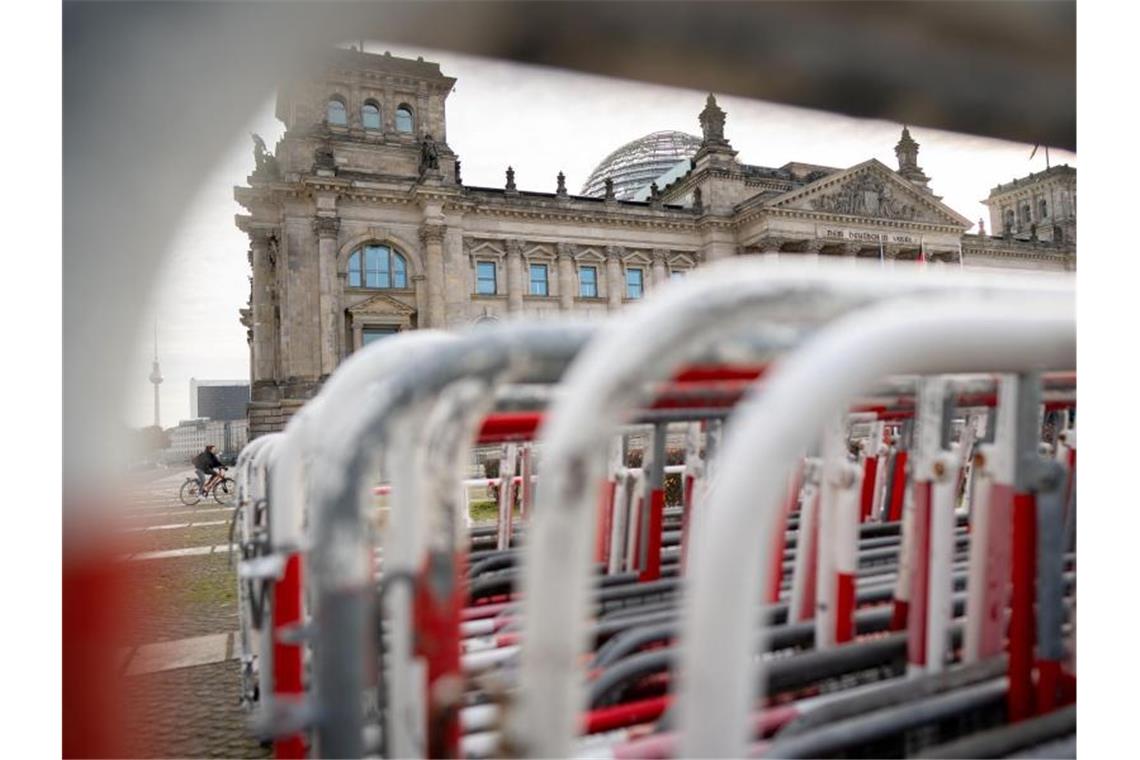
[863, 236]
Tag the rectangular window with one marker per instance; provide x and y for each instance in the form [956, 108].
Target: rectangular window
[354, 280]
[633, 283]
[399, 272]
[377, 273]
[588, 282]
[538, 285]
[369, 334]
[677, 274]
[485, 281]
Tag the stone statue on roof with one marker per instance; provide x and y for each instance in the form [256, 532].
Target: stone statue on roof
[429, 153]
[265, 163]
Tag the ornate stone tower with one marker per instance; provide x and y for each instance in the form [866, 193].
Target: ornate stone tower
[907, 152]
[346, 221]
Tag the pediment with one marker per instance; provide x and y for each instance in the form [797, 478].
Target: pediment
[638, 257]
[382, 304]
[869, 190]
[484, 248]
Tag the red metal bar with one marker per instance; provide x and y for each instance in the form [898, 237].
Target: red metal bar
[807, 610]
[898, 488]
[867, 496]
[287, 660]
[507, 427]
[628, 714]
[718, 372]
[1021, 623]
[437, 613]
[779, 542]
[656, 516]
[604, 521]
[920, 575]
[845, 607]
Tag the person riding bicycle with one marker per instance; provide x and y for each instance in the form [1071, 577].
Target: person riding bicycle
[207, 464]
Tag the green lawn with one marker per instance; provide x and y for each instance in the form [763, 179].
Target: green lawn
[484, 511]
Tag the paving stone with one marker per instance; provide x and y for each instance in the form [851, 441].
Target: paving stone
[190, 712]
[169, 655]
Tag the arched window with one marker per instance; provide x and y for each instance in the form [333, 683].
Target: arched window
[336, 113]
[370, 115]
[1044, 208]
[1009, 219]
[404, 120]
[377, 266]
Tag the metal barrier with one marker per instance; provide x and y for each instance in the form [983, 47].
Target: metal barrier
[650, 342]
[868, 537]
[1021, 332]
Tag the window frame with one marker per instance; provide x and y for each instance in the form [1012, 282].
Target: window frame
[545, 281]
[338, 99]
[411, 130]
[494, 277]
[377, 330]
[640, 283]
[581, 284]
[391, 263]
[370, 103]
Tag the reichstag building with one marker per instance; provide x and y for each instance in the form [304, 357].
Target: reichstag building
[360, 224]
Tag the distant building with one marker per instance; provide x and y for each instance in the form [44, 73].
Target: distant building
[1040, 207]
[360, 225]
[219, 399]
[190, 437]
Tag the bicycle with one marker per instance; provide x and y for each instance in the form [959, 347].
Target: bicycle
[222, 487]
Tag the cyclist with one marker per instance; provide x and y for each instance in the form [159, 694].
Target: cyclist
[207, 464]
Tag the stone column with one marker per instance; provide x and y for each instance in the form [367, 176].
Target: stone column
[811, 251]
[660, 274]
[419, 284]
[514, 276]
[566, 278]
[615, 287]
[342, 351]
[264, 327]
[770, 249]
[325, 228]
[851, 252]
[432, 237]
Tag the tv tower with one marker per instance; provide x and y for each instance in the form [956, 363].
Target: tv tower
[156, 376]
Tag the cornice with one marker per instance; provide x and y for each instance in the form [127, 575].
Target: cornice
[684, 220]
[851, 221]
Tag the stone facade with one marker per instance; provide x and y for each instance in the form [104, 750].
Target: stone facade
[1040, 207]
[364, 161]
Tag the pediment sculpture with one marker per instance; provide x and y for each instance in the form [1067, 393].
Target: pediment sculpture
[868, 195]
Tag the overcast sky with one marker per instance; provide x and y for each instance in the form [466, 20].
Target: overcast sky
[540, 121]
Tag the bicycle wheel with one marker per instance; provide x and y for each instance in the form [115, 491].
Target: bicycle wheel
[224, 491]
[189, 492]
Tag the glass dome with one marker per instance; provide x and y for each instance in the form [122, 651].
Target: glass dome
[636, 164]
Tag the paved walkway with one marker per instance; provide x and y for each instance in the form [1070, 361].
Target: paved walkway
[181, 653]
[180, 665]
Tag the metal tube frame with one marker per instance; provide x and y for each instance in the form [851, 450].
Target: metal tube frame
[651, 340]
[1021, 332]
